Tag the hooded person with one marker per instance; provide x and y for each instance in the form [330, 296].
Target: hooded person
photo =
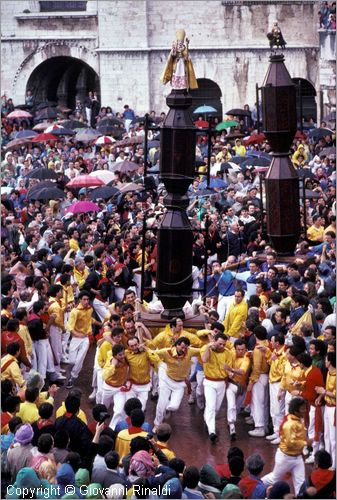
[20, 453]
[66, 477]
[141, 465]
[299, 152]
[94, 490]
[82, 478]
[210, 481]
[115, 491]
[229, 491]
[28, 478]
[172, 489]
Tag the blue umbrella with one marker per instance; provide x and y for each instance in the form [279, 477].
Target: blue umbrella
[215, 182]
[238, 159]
[204, 109]
[259, 154]
[25, 134]
[256, 162]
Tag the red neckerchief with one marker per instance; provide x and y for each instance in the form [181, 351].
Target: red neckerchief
[69, 415]
[128, 421]
[135, 430]
[41, 423]
[33, 316]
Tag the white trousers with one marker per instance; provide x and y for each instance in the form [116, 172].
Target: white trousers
[141, 392]
[311, 428]
[214, 394]
[234, 402]
[115, 395]
[55, 338]
[78, 349]
[43, 360]
[287, 399]
[170, 395]
[100, 309]
[330, 432]
[277, 408]
[283, 464]
[224, 302]
[259, 405]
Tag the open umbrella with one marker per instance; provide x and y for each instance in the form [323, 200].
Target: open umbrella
[318, 133]
[116, 132]
[202, 192]
[104, 139]
[130, 141]
[256, 162]
[40, 127]
[72, 124]
[17, 143]
[300, 135]
[45, 193]
[204, 109]
[105, 175]
[238, 112]
[234, 135]
[43, 184]
[81, 207]
[59, 130]
[103, 193]
[46, 114]
[201, 124]
[328, 151]
[87, 135]
[18, 113]
[226, 124]
[25, 134]
[255, 139]
[238, 159]
[229, 165]
[81, 181]
[125, 166]
[215, 182]
[44, 138]
[45, 104]
[130, 187]
[110, 120]
[42, 174]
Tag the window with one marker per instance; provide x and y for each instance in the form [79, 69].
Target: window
[62, 5]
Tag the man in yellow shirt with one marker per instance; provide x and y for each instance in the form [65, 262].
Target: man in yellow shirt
[29, 412]
[125, 436]
[170, 335]
[163, 435]
[172, 380]
[292, 374]
[315, 232]
[22, 315]
[258, 383]
[236, 316]
[277, 406]
[80, 272]
[80, 326]
[237, 383]
[115, 375]
[329, 395]
[215, 357]
[10, 369]
[139, 362]
[293, 439]
[56, 312]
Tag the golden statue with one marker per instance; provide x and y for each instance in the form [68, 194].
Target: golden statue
[179, 68]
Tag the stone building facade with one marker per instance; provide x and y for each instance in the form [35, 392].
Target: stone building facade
[61, 50]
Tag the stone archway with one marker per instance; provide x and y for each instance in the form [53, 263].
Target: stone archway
[208, 93]
[306, 91]
[62, 79]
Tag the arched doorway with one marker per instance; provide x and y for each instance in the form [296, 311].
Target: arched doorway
[306, 92]
[208, 93]
[63, 79]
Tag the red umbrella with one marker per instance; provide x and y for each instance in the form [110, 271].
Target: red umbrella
[201, 124]
[300, 135]
[44, 138]
[80, 207]
[19, 113]
[85, 181]
[255, 139]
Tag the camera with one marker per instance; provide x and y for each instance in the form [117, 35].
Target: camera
[149, 436]
[103, 416]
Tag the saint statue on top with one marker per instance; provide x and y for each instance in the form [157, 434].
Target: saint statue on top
[179, 68]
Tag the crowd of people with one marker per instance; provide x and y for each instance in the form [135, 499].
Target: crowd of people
[72, 282]
[327, 15]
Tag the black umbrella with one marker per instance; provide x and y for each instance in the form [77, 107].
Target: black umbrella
[71, 124]
[199, 162]
[115, 132]
[63, 131]
[45, 104]
[325, 152]
[110, 120]
[42, 174]
[238, 112]
[46, 193]
[104, 192]
[318, 133]
[39, 185]
[256, 162]
[46, 114]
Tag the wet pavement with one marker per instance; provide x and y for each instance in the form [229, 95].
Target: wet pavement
[189, 438]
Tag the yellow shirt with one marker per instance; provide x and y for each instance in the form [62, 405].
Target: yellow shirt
[291, 374]
[315, 233]
[80, 276]
[260, 363]
[80, 319]
[213, 368]
[292, 435]
[68, 295]
[28, 412]
[330, 386]
[103, 353]
[139, 367]
[235, 317]
[73, 244]
[123, 441]
[12, 371]
[164, 339]
[277, 365]
[55, 307]
[62, 411]
[242, 363]
[115, 375]
[169, 453]
[27, 340]
[178, 368]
